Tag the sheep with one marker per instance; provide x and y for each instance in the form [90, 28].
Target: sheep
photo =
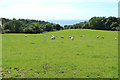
[69, 36]
[83, 35]
[115, 38]
[102, 37]
[97, 37]
[62, 37]
[53, 37]
[72, 38]
[35, 35]
[25, 35]
[44, 36]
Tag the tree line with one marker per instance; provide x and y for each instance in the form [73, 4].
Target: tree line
[38, 26]
[28, 26]
[99, 23]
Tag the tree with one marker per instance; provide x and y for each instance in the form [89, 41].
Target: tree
[66, 27]
[29, 30]
[109, 22]
[58, 27]
[48, 27]
[14, 26]
[114, 24]
[85, 26]
[97, 22]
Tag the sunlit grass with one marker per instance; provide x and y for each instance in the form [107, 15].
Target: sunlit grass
[41, 57]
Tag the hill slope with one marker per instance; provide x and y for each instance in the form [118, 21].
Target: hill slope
[84, 57]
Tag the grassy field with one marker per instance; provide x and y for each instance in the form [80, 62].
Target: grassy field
[41, 57]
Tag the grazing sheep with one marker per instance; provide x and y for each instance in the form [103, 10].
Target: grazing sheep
[9, 72]
[62, 37]
[44, 36]
[115, 38]
[97, 37]
[72, 38]
[25, 35]
[53, 37]
[81, 36]
[69, 36]
[102, 37]
[35, 35]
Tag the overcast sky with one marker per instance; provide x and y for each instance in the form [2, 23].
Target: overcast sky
[58, 9]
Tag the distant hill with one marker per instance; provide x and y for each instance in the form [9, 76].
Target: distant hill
[65, 22]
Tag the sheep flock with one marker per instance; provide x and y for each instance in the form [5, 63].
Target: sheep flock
[71, 37]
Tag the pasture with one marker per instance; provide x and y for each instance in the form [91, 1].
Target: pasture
[41, 57]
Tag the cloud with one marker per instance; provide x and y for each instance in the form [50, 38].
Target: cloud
[55, 9]
[40, 11]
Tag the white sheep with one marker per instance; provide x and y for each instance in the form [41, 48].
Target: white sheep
[72, 38]
[69, 36]
[25, 35]
[35, 35]
[53, 37]
[97, 37]
[115, 38]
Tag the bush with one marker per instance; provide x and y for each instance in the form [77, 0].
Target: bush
[116, 28]
[6, 31]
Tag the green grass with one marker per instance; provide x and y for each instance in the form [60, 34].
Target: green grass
[41, 57]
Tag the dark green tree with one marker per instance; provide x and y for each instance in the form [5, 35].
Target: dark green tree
[97, 22]
[48, 27]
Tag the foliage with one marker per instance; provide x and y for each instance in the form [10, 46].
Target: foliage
[97, 22]
[37, 26]
[28, 26]
[100, 23]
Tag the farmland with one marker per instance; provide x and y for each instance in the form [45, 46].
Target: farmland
[41, 57]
